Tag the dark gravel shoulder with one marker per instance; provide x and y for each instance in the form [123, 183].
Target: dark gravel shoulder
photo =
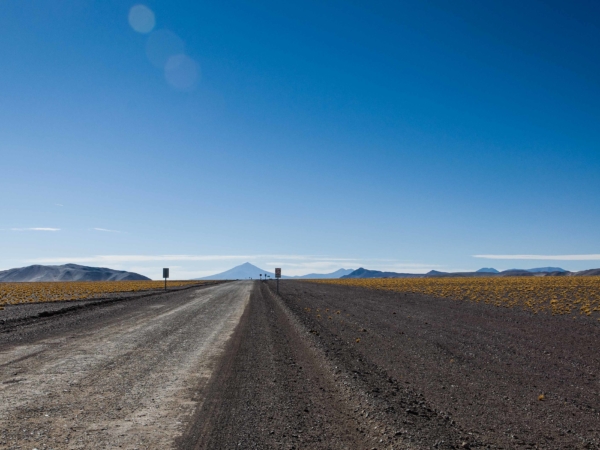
[504, 378]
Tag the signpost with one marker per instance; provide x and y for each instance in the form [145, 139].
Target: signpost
[165, 276]
[278, 276]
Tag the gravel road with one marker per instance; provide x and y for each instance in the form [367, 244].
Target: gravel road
[334, 367]
[274, 390]
[124, 375]
[498, 377]
[317, 367]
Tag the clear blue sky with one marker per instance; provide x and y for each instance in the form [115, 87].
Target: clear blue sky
[312, 135]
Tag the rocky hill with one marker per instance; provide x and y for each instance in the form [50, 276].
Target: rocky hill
[67, 272]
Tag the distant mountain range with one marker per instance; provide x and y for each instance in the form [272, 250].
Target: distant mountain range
[544, 269]
[487, 270]
[484, 272]
[67, 272]
[589, 273]
[247, 270]
[74, 272]
[365, 273]
[337, 274]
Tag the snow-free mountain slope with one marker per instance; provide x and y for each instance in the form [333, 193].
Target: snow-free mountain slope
[67, 272]
[247, 270]
[487, 270]
[241, 272]
[546, 269]
[337, 274]
[366, 273]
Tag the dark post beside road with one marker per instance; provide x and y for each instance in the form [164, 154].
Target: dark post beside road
[165, 276]
[278, 276]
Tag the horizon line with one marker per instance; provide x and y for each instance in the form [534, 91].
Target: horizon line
[588, 257]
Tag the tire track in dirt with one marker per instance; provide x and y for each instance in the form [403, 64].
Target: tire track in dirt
[271, 391]
[278, 386]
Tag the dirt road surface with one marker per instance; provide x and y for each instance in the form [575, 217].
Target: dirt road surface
[334, 367]
[126, 375]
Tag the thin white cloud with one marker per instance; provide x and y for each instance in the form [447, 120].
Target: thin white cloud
[201, 265]
[304, 267]
[194, 266]
[355, 263]
[289, 260]
[543, 257]
[106, 230]
[59, 204]
[298, 259]
[138, 258]
[36, 229]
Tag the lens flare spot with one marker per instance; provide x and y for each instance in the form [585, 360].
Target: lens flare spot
[141, 19]
[182, 72]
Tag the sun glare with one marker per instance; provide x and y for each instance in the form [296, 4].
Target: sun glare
[141, 19]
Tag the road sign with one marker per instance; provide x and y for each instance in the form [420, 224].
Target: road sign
[278, 276]
[165, 276]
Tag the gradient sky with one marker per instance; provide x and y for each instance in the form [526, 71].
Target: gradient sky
[310, 135]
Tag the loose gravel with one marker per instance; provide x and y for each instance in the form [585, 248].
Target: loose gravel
[126, 375]
[316, 367]
[332, 367]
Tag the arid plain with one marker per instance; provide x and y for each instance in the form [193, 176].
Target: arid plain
[378, 364]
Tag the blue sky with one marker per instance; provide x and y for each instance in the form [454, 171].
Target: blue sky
[309, 135]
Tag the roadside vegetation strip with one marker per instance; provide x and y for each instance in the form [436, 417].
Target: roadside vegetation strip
[556, 295]
[20, 293]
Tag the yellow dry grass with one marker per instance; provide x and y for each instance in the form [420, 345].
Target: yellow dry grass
[557, 295]
[18, 293]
